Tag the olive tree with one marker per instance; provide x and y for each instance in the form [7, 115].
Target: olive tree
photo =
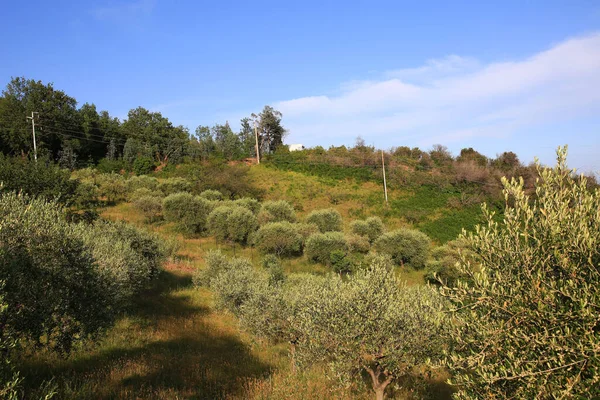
[527, 316]
[372, 323]
[371, 228]
[329, 220]
[320, 246]
[276, 211]
[213, 195]
[150, 206]
[280, 238]
[52, 286]
[405, 246]
[189, 212]
[240, 224]
[217, 222]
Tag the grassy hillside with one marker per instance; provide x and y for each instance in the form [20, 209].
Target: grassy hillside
[172, 344]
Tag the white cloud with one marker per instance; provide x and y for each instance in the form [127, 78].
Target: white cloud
[455, 99]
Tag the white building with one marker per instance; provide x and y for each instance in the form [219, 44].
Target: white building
[296, 147]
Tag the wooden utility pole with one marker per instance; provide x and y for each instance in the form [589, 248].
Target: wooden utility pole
[32, 118]
[384, 182]
[256, 138]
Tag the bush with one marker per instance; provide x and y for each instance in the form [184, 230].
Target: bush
[305, 231]
[441, 268]
[271, 261]
[370, 323]
[53, 289]
[215, 263]
[142, 181]
[276, 211]
[280, 238]
[127, 257]
[358, 244]
[320, 246]
[107, 166]
[328, 220]
[174, 185]
[371, 228]
[113, 187]
[236, 284]
[240, 224]
[526, 319]
[150, 206]
[9, 377]
[249, 203]
[190, 213]
[42, 179]
[217, 222]
[143, 192]
[405, 246]
[213, 195]
[143, 165]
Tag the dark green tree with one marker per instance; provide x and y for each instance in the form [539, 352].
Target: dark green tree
[270, 130]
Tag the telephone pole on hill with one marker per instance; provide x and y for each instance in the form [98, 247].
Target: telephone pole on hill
[384, 183]
[256, 139]
[32, 118]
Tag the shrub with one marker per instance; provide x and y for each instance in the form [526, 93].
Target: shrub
[213, 195]
[150, 206]
[107, 166]
[441, 268]
[127, 257]
[305, 231]
[215, 263]
[9, 377]
[358, 244]
[142, 192]
[174, 185]
[320, 246]
[405, 246]
[370, 323]
[189, 212]
[53, 289]
[42, 179]
[280, 238]
[328, 220]
[143, 165]
[217, 222]
[276, 211]
[142, 181]
[526, 320]
[249, 203]
[240, 224]
[113, 187]
[371, 228]
[236, 284]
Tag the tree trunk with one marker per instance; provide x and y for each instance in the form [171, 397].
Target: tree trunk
[378, 387]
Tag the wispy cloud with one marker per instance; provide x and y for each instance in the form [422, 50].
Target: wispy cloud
[126, 11]
[455, 99]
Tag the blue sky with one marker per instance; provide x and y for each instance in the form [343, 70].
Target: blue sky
[504, 75]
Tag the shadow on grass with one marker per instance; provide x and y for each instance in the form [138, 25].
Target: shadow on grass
[179, 355]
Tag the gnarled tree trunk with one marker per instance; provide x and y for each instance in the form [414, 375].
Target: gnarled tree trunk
[379, 386]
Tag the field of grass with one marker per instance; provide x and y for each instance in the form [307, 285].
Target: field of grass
[173, 344]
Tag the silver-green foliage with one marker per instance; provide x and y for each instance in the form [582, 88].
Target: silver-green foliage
[249, 203]
[320, 246]
[372, 323]
[328, 220]
[212, 195]
[217, 221]
[189, 212]
[53, 288]
[150, 206]
[405, 246]
[281, 238]
[127, 257]
[215, 262]
[276, 211]
[371, 228]
[9, 377]
[241, 222]
[174, 185]
[528, 316]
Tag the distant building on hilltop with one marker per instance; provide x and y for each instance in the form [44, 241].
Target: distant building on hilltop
[296, 147]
